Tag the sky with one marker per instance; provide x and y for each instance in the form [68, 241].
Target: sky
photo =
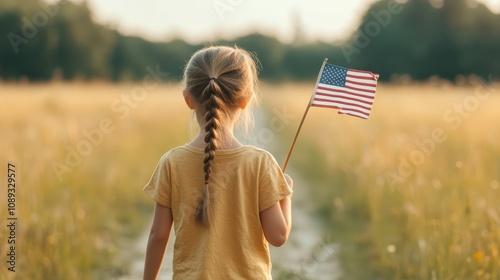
[201, 20]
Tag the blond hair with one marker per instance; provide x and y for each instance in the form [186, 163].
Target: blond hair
[220, 79]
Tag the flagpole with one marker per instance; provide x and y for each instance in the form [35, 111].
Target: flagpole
[304, 116]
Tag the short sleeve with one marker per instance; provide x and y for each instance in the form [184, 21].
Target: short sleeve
[272, 187]
[159, 187]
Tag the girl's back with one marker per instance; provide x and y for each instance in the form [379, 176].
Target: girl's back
[232, 245]
[225, 200]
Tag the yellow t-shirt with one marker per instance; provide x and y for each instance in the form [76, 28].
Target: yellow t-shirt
[243, 182]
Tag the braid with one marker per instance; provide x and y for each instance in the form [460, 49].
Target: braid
[222, 81]
[212, 124]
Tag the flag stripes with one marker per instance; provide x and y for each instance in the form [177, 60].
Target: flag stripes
[350, 91]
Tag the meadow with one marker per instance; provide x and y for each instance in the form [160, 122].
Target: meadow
[80, 198]
[411, 193]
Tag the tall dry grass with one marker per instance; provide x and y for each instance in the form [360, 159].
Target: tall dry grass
[76, 226]
[436, 218]
[440, 221]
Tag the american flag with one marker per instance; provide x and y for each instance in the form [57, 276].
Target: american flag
[350, 91]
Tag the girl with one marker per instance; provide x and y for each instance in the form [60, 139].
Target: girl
[226, 200]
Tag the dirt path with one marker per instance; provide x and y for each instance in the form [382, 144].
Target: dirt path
[138, 255]
[308, 254]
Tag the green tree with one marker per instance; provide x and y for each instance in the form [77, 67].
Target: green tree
[424, 41]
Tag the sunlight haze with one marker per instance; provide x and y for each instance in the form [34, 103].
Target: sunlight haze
[200, 20]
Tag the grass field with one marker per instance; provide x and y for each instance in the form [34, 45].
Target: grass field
[411, 193]
[79, 188]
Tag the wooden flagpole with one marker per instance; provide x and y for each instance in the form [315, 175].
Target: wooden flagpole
[304, 116]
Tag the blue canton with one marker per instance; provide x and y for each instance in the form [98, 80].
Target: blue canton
[333, 75]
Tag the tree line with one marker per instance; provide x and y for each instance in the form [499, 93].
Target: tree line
[40, 42]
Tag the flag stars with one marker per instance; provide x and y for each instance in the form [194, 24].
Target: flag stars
[333, 75]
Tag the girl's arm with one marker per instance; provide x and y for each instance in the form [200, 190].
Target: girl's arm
[277, 220]
[158, 240]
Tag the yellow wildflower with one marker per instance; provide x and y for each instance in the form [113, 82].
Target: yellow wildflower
[478, 256]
